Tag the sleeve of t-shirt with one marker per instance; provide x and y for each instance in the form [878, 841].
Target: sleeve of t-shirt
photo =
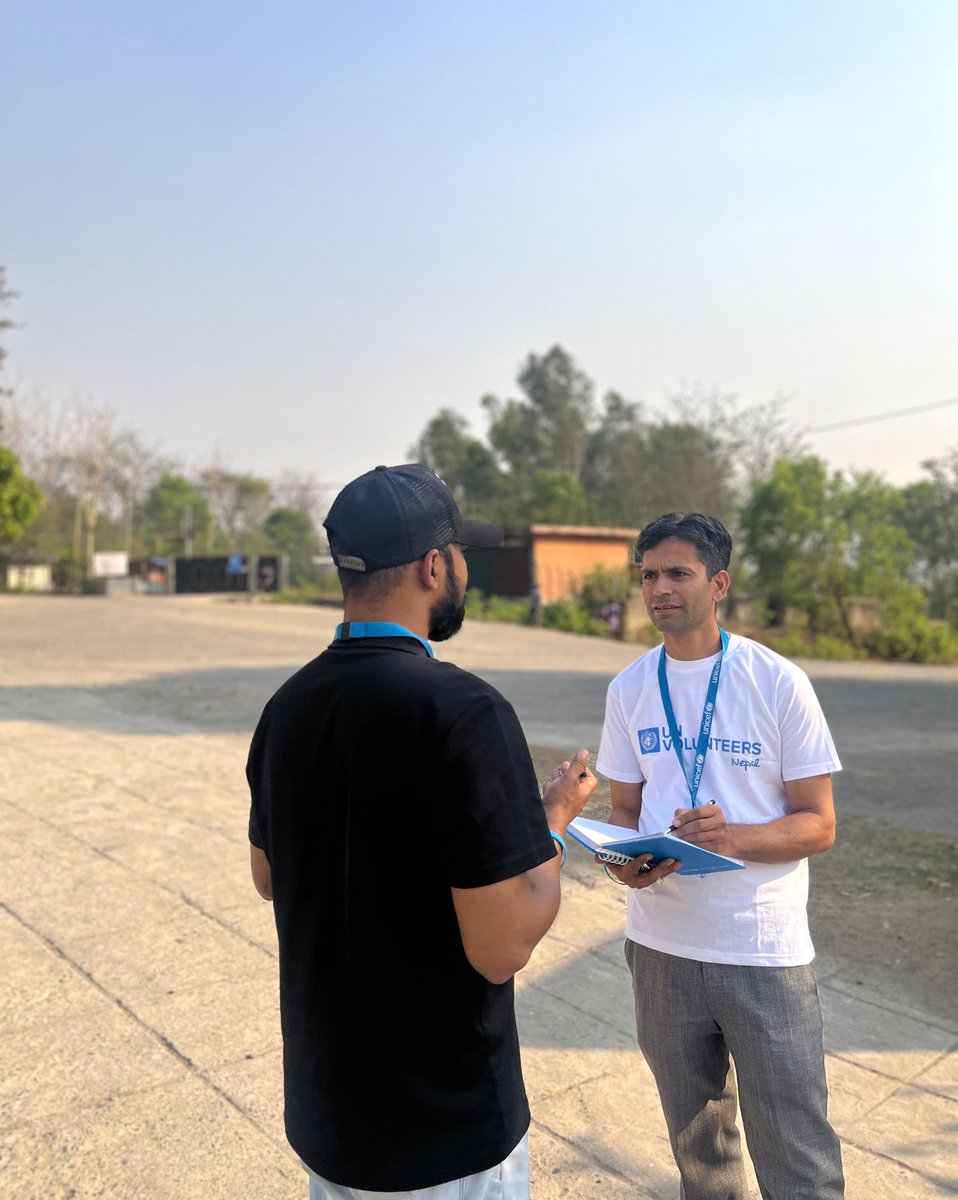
[617, 758]
[807, 746]
[492, 822]
[257, 834]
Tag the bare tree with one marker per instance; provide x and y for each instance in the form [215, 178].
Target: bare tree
[238, 504]
[133, 469]
[752, 437]
[212, 482]
[302, 491]
[94, 436]
[37, 432]
[80, 452]
[6, 295]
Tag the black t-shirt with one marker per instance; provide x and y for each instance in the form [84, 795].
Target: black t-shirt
[381, 778]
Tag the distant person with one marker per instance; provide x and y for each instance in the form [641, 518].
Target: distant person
[397, 823]
[535, 604]
[725, 741]
[613, 618]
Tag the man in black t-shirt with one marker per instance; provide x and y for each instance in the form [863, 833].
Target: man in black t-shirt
[397, 825]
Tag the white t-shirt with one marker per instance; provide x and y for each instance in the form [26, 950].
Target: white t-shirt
[767, 728]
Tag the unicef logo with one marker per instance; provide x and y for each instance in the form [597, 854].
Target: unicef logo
[709, 706]
[649, 741]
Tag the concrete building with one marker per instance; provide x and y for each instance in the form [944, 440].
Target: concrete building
[554, 557]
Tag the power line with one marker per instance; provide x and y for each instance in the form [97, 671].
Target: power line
[885, 416]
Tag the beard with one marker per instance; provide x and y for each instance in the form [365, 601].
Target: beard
[449, 611]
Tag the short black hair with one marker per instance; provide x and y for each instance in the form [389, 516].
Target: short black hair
[708, 535]
[370, 585]
[376, 585]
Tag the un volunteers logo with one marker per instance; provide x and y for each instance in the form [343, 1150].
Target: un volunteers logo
[649, 740]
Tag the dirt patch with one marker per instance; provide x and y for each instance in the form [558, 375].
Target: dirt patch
[883, 904]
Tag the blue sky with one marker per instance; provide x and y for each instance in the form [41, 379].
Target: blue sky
[291, 233]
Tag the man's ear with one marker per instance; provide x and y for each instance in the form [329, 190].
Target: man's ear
[428, 571]
[721, 582]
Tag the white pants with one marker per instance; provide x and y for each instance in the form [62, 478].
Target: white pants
[509, 1180]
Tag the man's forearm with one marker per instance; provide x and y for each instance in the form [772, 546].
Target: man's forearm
[786, 839]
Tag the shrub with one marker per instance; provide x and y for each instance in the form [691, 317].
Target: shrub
[601, 586]
[480, 607]
[795, 643]
[919, 641]
[570, 618]
[498, 608]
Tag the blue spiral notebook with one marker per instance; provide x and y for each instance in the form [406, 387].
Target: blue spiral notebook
[614, 844]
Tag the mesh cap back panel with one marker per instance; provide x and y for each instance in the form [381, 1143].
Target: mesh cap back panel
[438, 529]
[392, 516]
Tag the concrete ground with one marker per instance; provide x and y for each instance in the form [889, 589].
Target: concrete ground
[139, 1032]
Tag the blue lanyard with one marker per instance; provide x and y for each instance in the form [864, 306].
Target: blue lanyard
[367, 629]
[708, 712]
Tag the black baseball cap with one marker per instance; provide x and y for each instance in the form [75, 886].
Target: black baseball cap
[394, 515]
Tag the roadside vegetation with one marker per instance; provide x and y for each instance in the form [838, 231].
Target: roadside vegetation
[812, 544]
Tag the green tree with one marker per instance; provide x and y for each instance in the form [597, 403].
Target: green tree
[548, 429]
[817, 540]
[468, 467]
[794, 540]
[702, 455]
[173, 517]
[555, 498]
[612, 476]
[929, 515]
[684, 468]
[20, 498]
[292, 532]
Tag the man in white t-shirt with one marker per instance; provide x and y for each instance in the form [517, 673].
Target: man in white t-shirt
[725, 741]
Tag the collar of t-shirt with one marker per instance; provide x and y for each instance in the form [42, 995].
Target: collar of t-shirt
[350, 631]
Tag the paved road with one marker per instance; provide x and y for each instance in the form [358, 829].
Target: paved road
[138, 1024]
[896, 725]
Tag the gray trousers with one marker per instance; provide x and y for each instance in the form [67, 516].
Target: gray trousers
[690, 1017]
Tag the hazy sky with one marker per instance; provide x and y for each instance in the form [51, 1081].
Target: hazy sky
[291, 232]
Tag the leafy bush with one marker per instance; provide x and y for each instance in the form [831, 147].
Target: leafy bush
[571, 618]
[797, 644]
[582, 614]
[917, 639]
[601, 586]
[480, 607]
[498, 608]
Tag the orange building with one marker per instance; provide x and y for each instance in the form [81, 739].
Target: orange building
[554, 557]
[562, 555]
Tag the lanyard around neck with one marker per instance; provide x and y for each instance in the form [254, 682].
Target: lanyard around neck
[708, 712]
[350, 630]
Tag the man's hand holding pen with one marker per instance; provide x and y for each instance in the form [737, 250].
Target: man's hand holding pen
[704, 826]
[566, 791]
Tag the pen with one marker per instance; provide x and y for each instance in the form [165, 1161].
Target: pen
[672, 828]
